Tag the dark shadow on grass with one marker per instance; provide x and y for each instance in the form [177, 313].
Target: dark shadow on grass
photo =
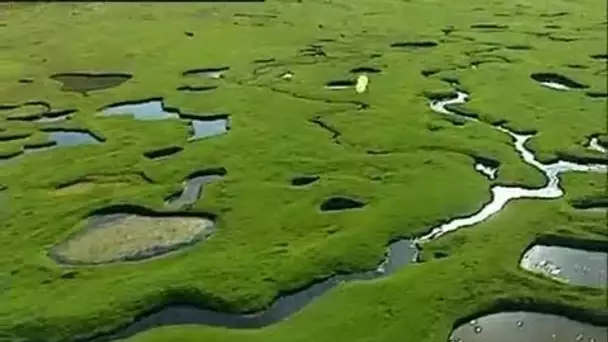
[304, 180]
[415, 44]
[188, 88]
[145, 211]
[489, 26]
[590, 202]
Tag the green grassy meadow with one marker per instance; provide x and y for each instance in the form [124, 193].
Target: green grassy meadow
[413, 168]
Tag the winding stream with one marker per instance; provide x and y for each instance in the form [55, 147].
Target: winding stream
[399, 253]
[501, 195]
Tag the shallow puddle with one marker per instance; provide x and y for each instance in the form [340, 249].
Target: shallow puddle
[150, 109]
[154, 109]
[127, 237]
[521, 326]
[87, 82]
[57, 138]
[193, 188]
[575, 266]
[203, 128]
[72, 138]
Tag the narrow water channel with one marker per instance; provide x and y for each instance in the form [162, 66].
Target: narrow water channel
[501, 195]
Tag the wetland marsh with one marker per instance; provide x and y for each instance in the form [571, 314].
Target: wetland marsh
[303, 171]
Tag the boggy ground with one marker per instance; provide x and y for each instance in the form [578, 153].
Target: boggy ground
[410, 166]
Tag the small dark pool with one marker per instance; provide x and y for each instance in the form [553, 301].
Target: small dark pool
[87, 82]
[339, 203]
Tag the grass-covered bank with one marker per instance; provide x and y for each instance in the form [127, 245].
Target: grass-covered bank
[412, 167]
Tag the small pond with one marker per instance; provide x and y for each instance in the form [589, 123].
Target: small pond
[522, 326]
[86, 82]
[575, 266]
[72, 138]
[204, 128]
[150, 109]
[154, 109]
